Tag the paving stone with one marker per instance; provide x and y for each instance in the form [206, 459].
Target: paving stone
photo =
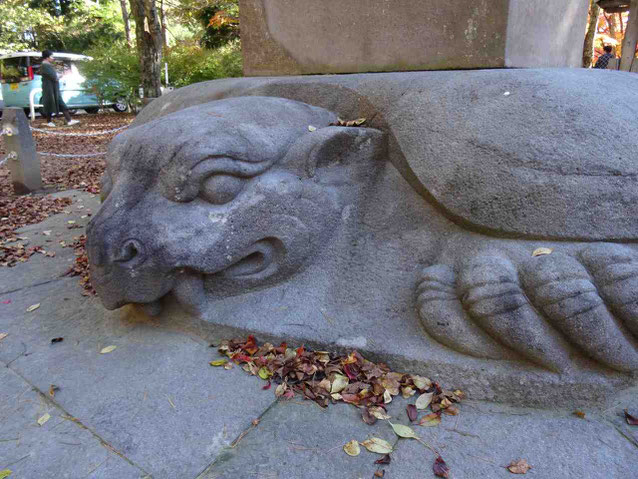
[155, 399]
[300, 439]
[482, 439]
[58, 448]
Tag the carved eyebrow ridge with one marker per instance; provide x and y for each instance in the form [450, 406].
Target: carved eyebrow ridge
[188, 187]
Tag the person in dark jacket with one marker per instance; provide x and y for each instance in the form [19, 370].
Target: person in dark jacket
[52, 102]
[603, 60]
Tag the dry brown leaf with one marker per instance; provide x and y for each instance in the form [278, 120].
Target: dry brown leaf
[440, 468]
[52, 389]
[352, 448]
[519, 467]
[430, 420]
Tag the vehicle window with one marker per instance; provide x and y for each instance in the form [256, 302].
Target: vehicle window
[36, 63]
[13, 70]
[63, 67]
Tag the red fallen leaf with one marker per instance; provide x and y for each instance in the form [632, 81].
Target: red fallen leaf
[412, 412]
[267, 386]
[349, 372]
[281, 349]
[631, 419]
[440, 468]
[288, 394]
[300, 351]
[8, 301]
[384, 460]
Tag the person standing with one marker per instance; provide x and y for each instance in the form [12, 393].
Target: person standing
[51, 98]
[603, 60]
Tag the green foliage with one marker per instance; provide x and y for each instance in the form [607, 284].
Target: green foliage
[191, 64]
[213, 23]
[115, 71]
[58, 25]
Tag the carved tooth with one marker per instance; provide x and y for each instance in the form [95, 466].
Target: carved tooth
[615, 272]
[493, 298]
[443, 317]
[562, 289]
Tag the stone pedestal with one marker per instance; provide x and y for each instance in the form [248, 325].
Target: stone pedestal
[290, 37]
[22, 160]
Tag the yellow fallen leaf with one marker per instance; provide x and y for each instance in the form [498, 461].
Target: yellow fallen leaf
[44, 419]
[218, 362]
[387, 397]
[339, 383]
[374, 444]
[352, 448]
[108, 349]
[403, 431]
[542, 251]
[264, 373]
[3, 335]
[378, 412]
[71, 222]
[312, 128]
[407, 392]
[424, 400]
[33, 307]
[5, 473]
[421, 382]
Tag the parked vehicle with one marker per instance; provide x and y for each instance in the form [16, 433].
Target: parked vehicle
[19, 78]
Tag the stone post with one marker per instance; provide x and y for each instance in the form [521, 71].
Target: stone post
[22, 158]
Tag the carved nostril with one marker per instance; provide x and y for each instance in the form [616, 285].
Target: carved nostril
[130, 250]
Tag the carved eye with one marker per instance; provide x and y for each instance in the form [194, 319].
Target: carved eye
[220, 189]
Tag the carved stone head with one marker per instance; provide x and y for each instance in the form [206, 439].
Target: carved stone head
[223, 198]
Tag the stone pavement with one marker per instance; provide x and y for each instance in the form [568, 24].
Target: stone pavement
[153, 407]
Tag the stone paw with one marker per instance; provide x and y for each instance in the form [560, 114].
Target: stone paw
[543, 309]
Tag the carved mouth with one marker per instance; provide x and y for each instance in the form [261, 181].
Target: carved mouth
[260, 260]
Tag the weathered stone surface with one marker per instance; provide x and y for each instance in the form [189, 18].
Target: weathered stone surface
[288, 37]
[22, 158]
[59, 447]
[255, 213]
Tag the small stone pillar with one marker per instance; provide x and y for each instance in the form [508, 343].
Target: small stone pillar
[22, 158]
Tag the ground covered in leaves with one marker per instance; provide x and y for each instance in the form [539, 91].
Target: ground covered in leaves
[58, 174]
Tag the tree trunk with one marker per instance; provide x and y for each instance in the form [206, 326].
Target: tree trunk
[148, 35]
[163, 20]
[631, 38]
[127, 25]
[588, 47]
[611, 23]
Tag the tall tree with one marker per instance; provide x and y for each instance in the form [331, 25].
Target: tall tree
[631, 38]
[127, 24]
[588, 47]
[148, 35]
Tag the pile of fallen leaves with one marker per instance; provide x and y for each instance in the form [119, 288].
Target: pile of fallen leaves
[326, 378]
[81, 266]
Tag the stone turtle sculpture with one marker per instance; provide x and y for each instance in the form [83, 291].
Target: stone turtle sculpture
[432, 210]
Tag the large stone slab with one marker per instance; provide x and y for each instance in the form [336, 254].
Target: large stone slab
[59, 447]
[288, 37]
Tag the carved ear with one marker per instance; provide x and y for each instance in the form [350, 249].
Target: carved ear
[335, 145]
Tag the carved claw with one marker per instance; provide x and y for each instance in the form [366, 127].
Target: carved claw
[560, 301]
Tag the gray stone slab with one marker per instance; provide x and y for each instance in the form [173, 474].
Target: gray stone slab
[155, 399]
[300, 439]
[485, 437]
[58, 448]
[287, 37]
